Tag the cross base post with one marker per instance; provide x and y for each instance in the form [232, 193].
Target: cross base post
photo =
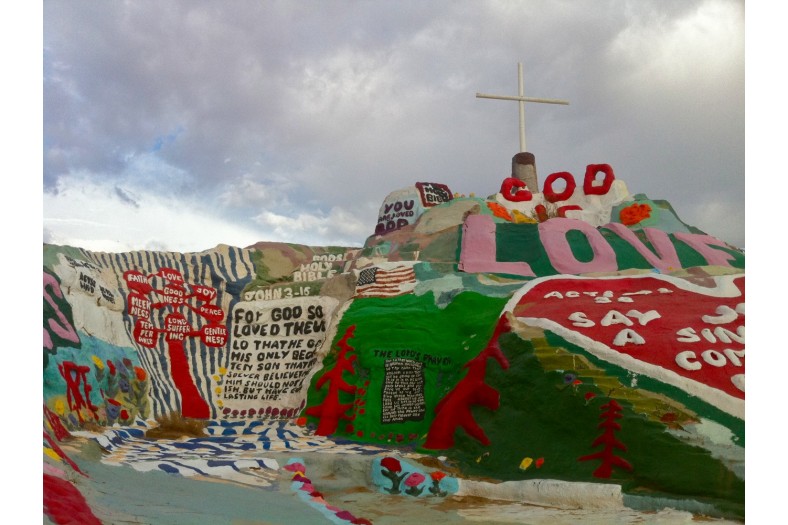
[524, 169]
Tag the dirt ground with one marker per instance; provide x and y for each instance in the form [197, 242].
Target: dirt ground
[118, 495]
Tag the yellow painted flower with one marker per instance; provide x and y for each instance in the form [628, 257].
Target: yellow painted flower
[216, 377]
[99, 363]
[220, 403]
[52, 454]
[525, 463]
[520, 218]
[60, 407]
[222, 370]
[218, 390]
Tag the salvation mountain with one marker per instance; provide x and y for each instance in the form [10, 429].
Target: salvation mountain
[574, 336]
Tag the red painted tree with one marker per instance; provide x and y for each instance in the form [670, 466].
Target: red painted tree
[144, 299]
[330, 411]
[610, 412]
[61, 432]
[454, 410]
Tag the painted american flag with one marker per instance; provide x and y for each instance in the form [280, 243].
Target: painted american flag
[377, 281]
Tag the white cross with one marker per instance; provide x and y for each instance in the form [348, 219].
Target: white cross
[522, 100]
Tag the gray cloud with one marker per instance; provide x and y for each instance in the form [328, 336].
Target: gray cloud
[323, 108]
[125, 197]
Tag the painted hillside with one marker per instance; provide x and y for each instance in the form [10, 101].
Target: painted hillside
[571, 346]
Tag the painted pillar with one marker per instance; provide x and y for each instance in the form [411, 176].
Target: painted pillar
[524, 168]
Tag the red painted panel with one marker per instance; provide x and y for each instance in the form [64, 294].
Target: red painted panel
[650, 325]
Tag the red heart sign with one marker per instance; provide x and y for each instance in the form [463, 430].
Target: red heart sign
[137, 281]
[204, 293]
[214, 335]
[174, 294]
[145, 333]
[138, 305]
[679, 333]
[176, 327]
[212, 312]
[170, 274]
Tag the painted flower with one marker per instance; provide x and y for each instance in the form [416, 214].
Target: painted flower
[634, 213]
[222, 370]
[499, 211]
[569, 379]
[60, 406]
[539, 462]
[391, 464]
[124, 414]
[541, 212]
[113, 410]
[295, 467]
[519, 217]
[392, 470]
[111, 366]
[140, 373]
[124, 384]
[299, 476]
[98, 362]
[589, 396]
[345, 515]
[414, 480]
[435, 489]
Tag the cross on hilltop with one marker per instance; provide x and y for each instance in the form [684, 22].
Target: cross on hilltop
[522, 99]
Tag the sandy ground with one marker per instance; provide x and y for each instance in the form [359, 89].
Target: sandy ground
[121, 495]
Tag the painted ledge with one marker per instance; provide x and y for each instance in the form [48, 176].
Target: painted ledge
[547, 492]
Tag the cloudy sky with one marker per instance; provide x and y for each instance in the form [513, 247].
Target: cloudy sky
[180, 125]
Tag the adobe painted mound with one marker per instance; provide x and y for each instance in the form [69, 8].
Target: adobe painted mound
[564, 342]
